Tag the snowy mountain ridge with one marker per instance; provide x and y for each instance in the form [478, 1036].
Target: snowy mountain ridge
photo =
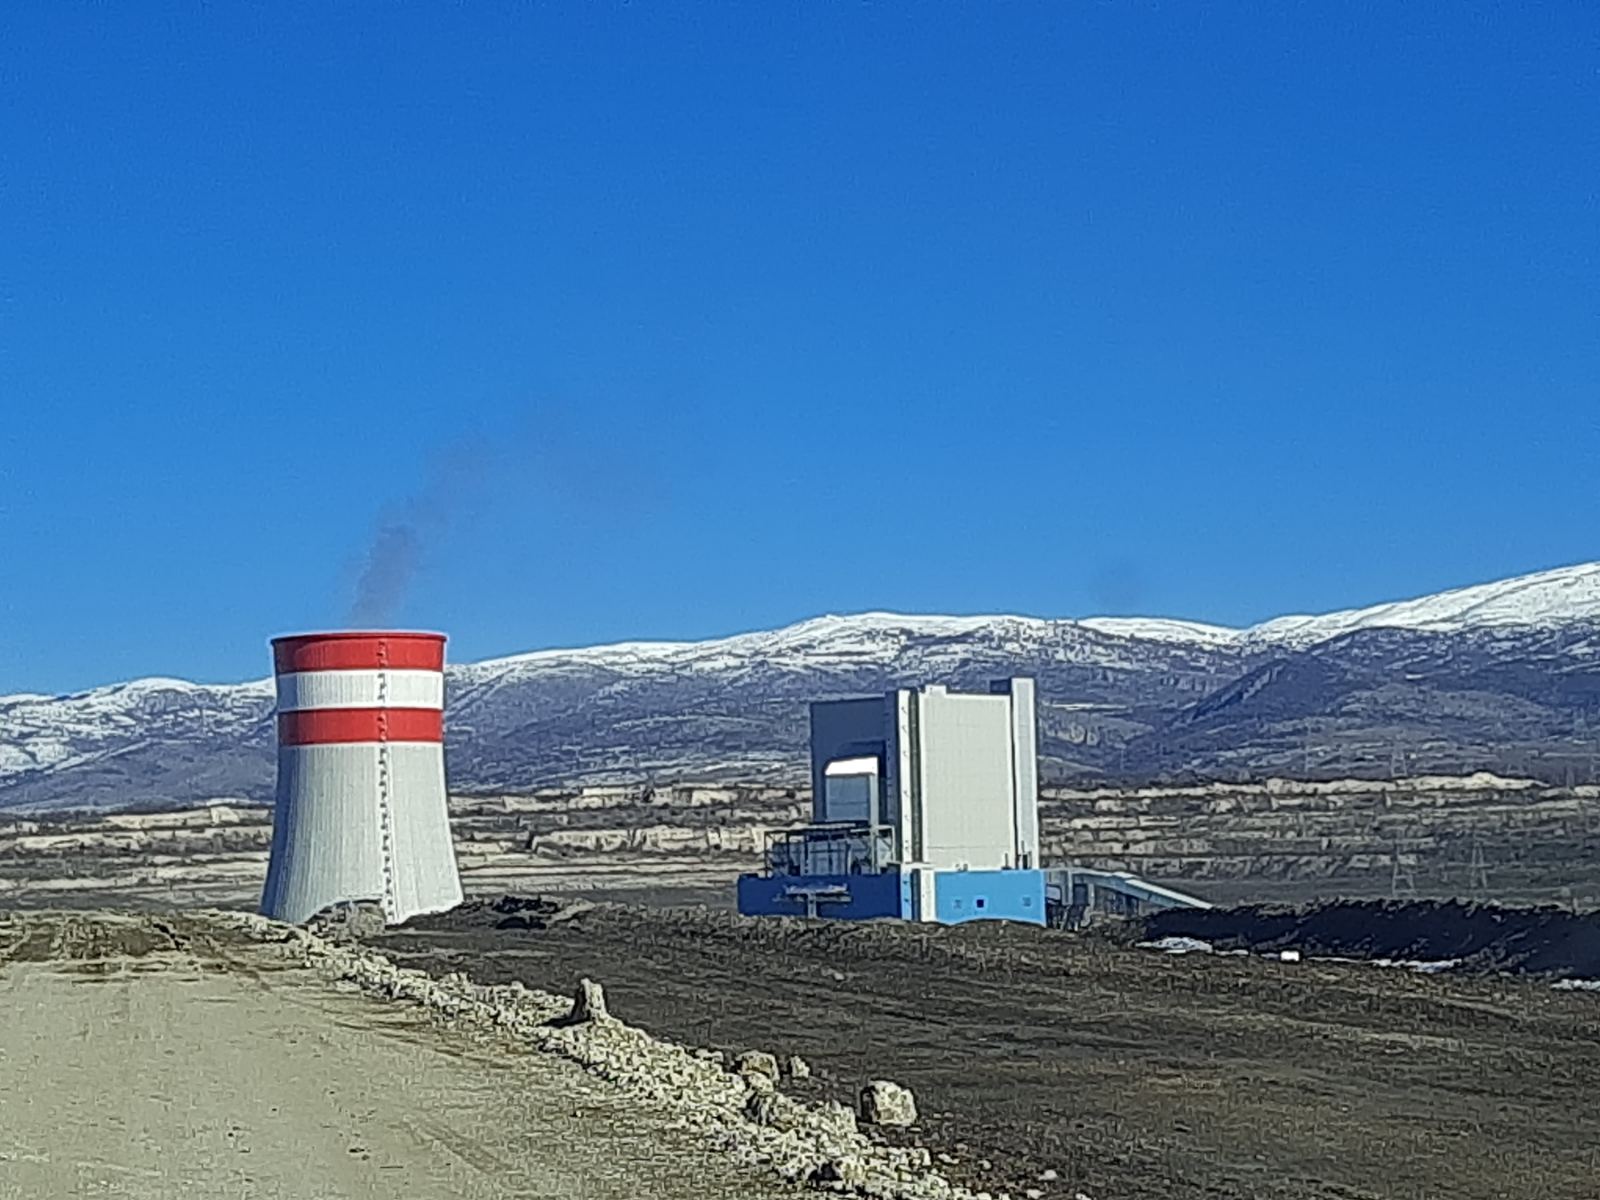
[1561, 596]
[1564, 595]
[1497, 676]
[1554, 597]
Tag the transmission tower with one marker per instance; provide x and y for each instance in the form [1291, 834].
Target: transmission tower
[1402, 878]
[1478, 874]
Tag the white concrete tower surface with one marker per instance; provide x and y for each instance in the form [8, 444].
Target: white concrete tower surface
[361, 803]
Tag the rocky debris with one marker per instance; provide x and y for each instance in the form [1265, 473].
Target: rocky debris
[758, 1082]
[795, 1067]
[838, 1174]
[757, 1062]
[762, 1107]
[774, 1109]
[884, 1102]
[841, 1122]
[349, 921]
[738, 1112]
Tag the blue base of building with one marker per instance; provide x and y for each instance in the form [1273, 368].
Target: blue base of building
[957, 896]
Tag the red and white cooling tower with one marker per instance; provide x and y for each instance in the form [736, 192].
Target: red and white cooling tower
[361, 809]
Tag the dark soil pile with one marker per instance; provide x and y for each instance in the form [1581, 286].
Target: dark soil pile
[1537, 941]
[504, 912]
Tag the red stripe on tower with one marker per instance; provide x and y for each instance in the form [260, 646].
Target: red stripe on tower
[358, 652]
[338, 726]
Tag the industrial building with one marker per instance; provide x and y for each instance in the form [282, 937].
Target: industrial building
[924, 808]
[360, 810]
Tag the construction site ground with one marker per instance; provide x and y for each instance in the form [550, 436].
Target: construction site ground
[150, 1058]
[1073, 1065]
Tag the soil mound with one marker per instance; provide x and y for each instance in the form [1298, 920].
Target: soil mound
[509, 911]
[1533, 941]
[81, 937]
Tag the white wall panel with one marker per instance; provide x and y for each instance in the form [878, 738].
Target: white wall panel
[1025, 769]
[360, 689]
[426, 879]
[343, 811]
[325, 831]
[967, 807]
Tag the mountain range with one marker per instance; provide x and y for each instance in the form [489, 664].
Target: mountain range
[1503, 676]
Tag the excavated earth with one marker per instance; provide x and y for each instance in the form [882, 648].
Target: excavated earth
[1071, 1066]
[1545, 941]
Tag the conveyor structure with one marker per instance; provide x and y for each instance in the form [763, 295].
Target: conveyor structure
[1074, 896]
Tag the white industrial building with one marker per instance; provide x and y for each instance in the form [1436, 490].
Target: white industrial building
[925, 805]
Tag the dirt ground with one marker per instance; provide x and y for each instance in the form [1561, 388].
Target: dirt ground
[1130, 1074]
[146, 1059]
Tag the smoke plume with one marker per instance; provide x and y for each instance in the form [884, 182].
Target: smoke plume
[411, 530]
[549, 455]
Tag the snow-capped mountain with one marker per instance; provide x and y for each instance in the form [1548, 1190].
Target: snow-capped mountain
[1547, 599]
[1501, 676]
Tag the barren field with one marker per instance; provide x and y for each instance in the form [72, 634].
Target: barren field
[1128, 1073]
[153, 1059]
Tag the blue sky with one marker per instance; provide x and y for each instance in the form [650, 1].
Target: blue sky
[672, 320]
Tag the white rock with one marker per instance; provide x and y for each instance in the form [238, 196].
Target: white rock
[758, 1083]
[756, 1062]
[887, 1103]
[589, 1002]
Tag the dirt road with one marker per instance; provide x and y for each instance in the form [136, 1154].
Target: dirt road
[137, 1070]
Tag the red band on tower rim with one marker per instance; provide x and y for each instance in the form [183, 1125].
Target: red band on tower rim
[333, 726]
[358, 652]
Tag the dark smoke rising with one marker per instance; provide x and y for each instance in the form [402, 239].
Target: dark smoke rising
[411, 530]
[549, 454]
[391, 564]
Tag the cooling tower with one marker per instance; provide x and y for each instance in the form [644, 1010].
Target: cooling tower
[360, 811]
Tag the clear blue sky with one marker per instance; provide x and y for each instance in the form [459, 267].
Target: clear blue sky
[673, 320]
